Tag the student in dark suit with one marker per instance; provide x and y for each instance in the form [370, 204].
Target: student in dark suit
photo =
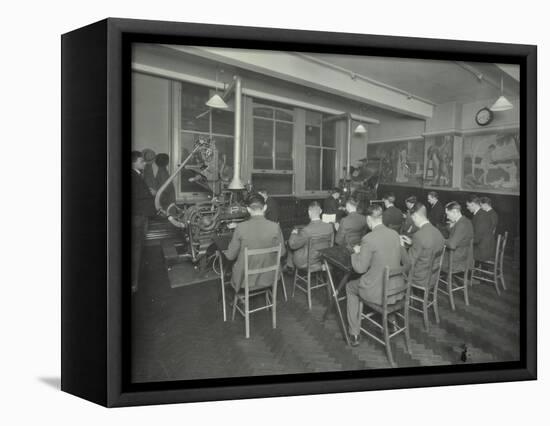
[408, 227]
[460, 236]
[436, 213]
[331, 205]
[298, 241]
[378, 249]
[272, 208]
[487, 206]
[352, 227]
[484, 239]
[143, 207]
[392, 216]
[255, 233]
[426, 241]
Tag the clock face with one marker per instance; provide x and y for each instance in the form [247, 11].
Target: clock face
[484, 116]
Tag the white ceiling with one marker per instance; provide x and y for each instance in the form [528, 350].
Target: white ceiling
[437, 81]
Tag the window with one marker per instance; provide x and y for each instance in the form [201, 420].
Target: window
[273, 138]
[197, 121]
[320, 152]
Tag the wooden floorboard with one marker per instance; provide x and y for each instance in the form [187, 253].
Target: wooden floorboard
[179, 333]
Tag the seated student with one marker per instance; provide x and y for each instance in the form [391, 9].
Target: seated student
[392, 216]
[460, 236]
[436, 213]
[255, 233]
[484, 239]
[352, 227]
[378, 249]
[298, 241]
[408, 227]
[423, 243]
[272, 208]
[487, 206]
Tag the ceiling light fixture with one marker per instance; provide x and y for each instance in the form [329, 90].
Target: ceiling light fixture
[360, 130]
[501, 104]
[216, 100]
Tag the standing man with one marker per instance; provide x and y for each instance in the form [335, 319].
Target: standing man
[331, 205]
[272, 208]
[255, 233]
[487, 206]
[409, 227]
[424, 242]
[392, 216]
[378, 249]
[436, 214]
[143, 206]
[352, 227]
[298, 241]
[460, 237]
[484, 239]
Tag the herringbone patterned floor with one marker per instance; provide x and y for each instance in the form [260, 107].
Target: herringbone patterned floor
[179, 334]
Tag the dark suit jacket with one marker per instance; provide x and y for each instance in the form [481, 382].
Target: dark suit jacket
[143, 203]
[351, 230]
[493, 215]
[426, 241]
[272, 211]
[436, 215]
[379, 248]
[255, 233]
[330, 206]
[408, 227]
[484, 239]
[393, 218]
[460, 237]
[298, 242]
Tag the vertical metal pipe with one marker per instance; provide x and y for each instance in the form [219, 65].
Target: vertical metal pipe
[348, 156]
[236, 182]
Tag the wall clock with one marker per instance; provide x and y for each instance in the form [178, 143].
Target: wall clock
[484, 116]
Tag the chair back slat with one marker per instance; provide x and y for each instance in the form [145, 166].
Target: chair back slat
[249, 253]
[318, 243]
[354, 237]
[436, 260]
[497, 249]
[390, 273]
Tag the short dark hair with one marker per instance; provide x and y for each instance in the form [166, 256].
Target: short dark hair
[338, 190]
[434, 194]
[255, 202]
[411, 199]
[262, 191]
[313, 204]
[374, 211]
[136, 155]
[473, 199]
[420, 209]
[453, 205]
[390, 196]
[486, 200]
[353, 201]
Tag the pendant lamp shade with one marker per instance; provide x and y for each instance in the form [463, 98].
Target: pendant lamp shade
[217, 102]
[360, 130]
[501, 104]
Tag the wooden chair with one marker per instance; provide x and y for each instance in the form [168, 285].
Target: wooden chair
[400, 309]
[425, 296]
[450, 284]
[492, 271]
[244, 294]
[353, 238]
[314, 268]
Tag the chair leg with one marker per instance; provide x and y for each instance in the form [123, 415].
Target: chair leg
[235, 301]
[465, 283]
[407, 333]
[425, 309]
[274, 312]
[387, 340]
[436, 304]
[501, 276]
[295, 279]
[309, 290]
[450, 289]
[284, 287]
[247, 317]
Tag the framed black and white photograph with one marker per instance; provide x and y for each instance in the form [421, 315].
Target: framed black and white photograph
[281, 212]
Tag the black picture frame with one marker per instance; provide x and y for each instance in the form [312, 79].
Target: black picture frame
[95, 236]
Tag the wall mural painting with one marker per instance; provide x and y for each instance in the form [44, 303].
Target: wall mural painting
[439, 161]
[401, 162]
[491, 162]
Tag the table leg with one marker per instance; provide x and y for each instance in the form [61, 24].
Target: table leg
[335, 296]
[222, 277]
